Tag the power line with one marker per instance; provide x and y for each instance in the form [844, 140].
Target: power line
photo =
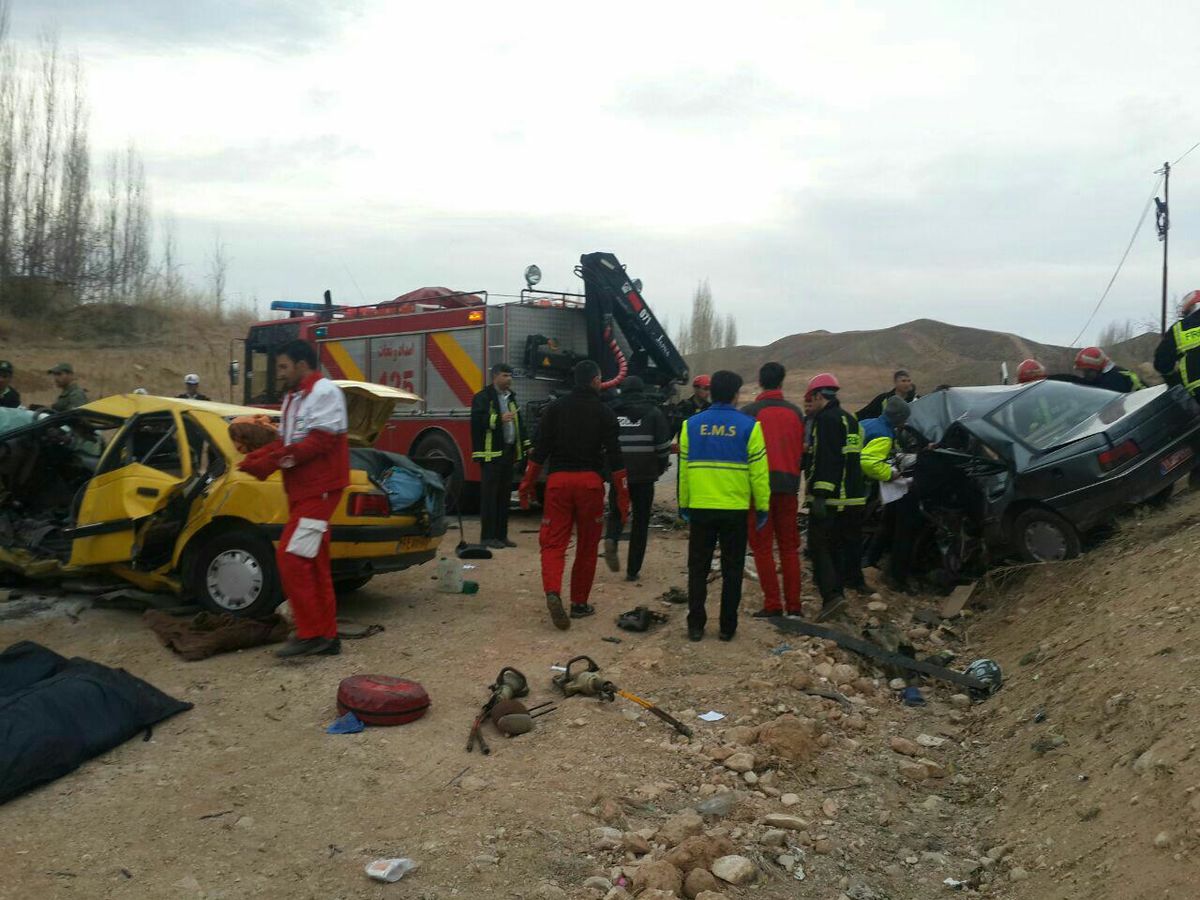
[1124, 256]
[1185, 156]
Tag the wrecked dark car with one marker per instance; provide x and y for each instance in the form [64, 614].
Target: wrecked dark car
[1027, 470]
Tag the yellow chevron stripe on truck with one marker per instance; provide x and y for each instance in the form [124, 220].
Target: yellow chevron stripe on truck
[349, 368]
[460, 359]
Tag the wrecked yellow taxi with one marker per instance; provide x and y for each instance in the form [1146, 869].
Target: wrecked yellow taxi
[147, 489]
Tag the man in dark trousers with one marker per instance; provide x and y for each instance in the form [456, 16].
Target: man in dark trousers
[837, 496]
[314, 453]
[577, 441]
[498, 443]
[723, 475]
[783, 433]
[902, 387]
[646, 448]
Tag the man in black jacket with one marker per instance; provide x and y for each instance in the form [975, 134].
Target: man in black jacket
[578, 441]
[902, 387]
[645, 437]
[9, 398]
[498, 443]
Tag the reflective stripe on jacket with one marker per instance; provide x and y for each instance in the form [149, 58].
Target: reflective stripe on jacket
[723, 461]
[487, 431]
[1178, 355]
[835, 468]
[878, 438]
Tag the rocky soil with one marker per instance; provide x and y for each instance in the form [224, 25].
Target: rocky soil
[1077, 779]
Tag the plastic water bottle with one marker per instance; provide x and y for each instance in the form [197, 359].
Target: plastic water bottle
[450, 580]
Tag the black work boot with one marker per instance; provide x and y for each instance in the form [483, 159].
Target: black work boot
[558, 615]
[831, 607]
[317, 646]
[695, 633]
[582, 610]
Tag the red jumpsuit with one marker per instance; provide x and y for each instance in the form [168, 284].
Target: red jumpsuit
[578, 439]
[314, 454]
[783, 432]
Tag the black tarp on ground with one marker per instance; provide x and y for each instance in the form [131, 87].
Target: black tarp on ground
[57, 713]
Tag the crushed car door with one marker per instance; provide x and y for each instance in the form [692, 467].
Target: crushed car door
[141, 470]
[155, 541]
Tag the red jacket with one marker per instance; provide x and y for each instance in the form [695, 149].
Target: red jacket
[314, 452]
[783, 430]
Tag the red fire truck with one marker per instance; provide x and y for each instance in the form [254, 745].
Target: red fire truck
[440, 344]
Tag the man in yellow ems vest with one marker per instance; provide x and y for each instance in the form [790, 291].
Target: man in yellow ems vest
[499, 443]
[723, 473]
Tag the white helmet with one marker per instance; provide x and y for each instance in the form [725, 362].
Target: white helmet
[192, 379]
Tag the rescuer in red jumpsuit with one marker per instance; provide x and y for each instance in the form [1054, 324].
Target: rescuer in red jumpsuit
[314, 454]
[579, 440]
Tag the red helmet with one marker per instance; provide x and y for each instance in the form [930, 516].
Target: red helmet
[1092, 358]
[1030, 370]
[702, 381]
[1190, 302]
[824, 381]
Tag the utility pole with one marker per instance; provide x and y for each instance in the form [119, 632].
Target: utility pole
[1164, 226]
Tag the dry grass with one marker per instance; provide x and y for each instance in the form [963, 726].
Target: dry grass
[116, 349]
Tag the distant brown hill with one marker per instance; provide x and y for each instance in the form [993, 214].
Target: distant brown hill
[934, 352]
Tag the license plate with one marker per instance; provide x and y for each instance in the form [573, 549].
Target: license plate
[1173, 461]
[410, 545]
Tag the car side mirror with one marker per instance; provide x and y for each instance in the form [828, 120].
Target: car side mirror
[234, 373]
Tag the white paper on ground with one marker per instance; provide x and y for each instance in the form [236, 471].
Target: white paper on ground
[894, 490]
[711, 716]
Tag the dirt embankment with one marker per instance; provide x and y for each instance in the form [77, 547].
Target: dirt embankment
[1094, 737]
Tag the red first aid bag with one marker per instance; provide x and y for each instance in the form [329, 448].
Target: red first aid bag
[382, 699]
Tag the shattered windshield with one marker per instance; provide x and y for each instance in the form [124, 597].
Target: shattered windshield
[1044, 415]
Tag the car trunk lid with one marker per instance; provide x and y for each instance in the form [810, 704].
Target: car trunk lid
[368, 408]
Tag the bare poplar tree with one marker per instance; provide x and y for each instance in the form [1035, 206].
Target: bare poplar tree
[218, 269]
[729, 336]
[704, 334]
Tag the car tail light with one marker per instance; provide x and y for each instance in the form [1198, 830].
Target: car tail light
[1122, 453]
[369, 505]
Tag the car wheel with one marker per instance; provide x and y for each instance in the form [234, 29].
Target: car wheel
[439, 446]
[1044, 536]
[235, 573]
[350, 585]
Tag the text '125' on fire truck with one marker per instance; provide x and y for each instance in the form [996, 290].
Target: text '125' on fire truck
[440, 344]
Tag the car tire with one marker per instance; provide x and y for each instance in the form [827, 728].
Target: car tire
[344, 586]
[234, 572]
[440, 446]
[1041, 535]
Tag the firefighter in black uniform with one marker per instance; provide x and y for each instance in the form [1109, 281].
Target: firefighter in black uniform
[837, 496]
[499, 443]
[698, 402]
[1097, 370]
[1177, 358]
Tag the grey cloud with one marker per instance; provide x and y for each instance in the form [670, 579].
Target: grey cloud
[705, 99]
[283, 26]
[250, 163]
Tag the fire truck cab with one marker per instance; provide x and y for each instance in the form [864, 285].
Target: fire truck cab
[440, 344]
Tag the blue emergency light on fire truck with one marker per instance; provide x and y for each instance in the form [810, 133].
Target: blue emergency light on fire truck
[440, 344]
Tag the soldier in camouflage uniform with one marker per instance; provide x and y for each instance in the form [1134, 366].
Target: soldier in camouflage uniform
[72, 394]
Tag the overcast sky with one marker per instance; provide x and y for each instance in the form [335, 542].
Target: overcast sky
[833, 166]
